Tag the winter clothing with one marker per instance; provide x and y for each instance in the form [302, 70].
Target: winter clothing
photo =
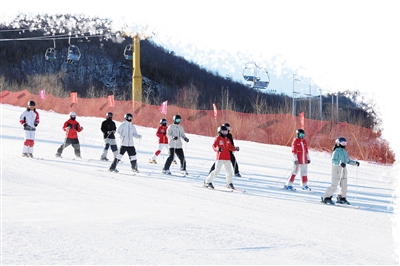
[30, 120]
[222, 146]
[109, 128]
[175, 133]
[233, 158]
[162, 142]
[72, 128]
[127, 131]
[301, 160]
[340, 158]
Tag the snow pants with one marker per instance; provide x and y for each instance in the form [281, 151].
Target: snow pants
[161, 146]
[234, 164]
[29, 141]
[218, 165]
[181, 156]
[109, 143]
[339, 177]
[303, 168]
[132, 157]
[75, 144]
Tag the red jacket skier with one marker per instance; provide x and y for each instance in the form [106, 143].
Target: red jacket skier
[71, 127]
[162, 140]
[222, 146]
[301, 161]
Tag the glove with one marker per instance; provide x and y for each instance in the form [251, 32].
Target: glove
[113, 131]
[308, 161]
[343, 165]
[296, 162]
[140, 136]
[36, 124]
[175, 138]
[25, 125]
[68, 127]
[186, 139]
[237, 149]
[358, 164]
[81, 128]
[219, 149]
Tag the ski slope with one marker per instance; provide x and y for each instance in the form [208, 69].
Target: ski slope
[74, 212]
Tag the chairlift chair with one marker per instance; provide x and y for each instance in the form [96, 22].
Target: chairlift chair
[258, 76]
[51, 53]
[128, 52]
[73, 54]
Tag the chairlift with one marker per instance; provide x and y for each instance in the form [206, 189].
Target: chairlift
[258, 76]
[73, 53]
[128, 52]
[51, 53]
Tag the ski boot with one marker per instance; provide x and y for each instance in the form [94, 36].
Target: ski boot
[208, 185]
[342, 200]
[152, 161]
[167, 172]
[25, 154]
[327, 200]
[289, 188]
[230, 186]
[238, 174]
[184, 172]
[104, 159]
[113, 170]
[307, 188]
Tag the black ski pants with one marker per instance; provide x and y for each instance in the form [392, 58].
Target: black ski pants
[181, 157]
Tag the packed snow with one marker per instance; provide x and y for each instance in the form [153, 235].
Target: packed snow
[73, 211]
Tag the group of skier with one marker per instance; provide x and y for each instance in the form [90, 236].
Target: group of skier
[171, 137]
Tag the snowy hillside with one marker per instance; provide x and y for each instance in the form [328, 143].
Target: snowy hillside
[66, 211]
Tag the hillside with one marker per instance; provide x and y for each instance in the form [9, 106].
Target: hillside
[74, 212]
[103, 70]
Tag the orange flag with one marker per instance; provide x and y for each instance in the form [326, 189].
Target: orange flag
[73, 97]
[215, 111]
[110, 100]
[301, 120]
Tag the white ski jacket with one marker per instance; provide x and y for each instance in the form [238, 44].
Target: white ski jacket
[175, 130]
[127, 131]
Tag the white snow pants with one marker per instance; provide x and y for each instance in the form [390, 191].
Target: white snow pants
[339, 177]
[29, 140]
[218, 165]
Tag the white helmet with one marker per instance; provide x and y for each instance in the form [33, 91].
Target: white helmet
[72, 114]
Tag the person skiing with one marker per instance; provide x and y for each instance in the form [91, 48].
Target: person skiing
[127, 131]
[301, 161]
[30, 120]
[222, 146]
[109, 128]
[233, 158]
[72, 128]
[175, 132]
[162, 140]
[340, 158]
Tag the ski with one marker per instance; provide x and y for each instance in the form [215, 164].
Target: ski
[220, 189]
[120, 173]
[340, 205]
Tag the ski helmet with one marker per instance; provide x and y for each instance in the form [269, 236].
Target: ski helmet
[72, 114]
[128, 117]
[300, 133]
[31, 103]
[227, 126]
[109, 115]
[222, 128]
[341, 141]
[163, 122]
[177, 119]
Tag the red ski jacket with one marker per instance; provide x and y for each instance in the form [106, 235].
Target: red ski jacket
[300, 150]
[72, 132]
[162, 134]
[226, 145]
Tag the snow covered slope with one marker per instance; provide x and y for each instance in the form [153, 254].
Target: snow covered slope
[66, 211]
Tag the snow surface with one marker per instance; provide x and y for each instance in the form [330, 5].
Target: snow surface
[66, 211]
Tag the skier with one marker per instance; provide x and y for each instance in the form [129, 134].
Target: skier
[109, 128]
[162, 140]
[127, 131]
[301, 161]
[71, 127]
[222, 146]
[340, 158]
[30, 120]
[175, 132]
[233, 159]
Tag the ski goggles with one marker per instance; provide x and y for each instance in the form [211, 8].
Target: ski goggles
[301, 135]
[224, 132]
[343, 143]
[178, 120]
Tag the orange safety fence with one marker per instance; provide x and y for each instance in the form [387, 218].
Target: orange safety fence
[278, 129]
